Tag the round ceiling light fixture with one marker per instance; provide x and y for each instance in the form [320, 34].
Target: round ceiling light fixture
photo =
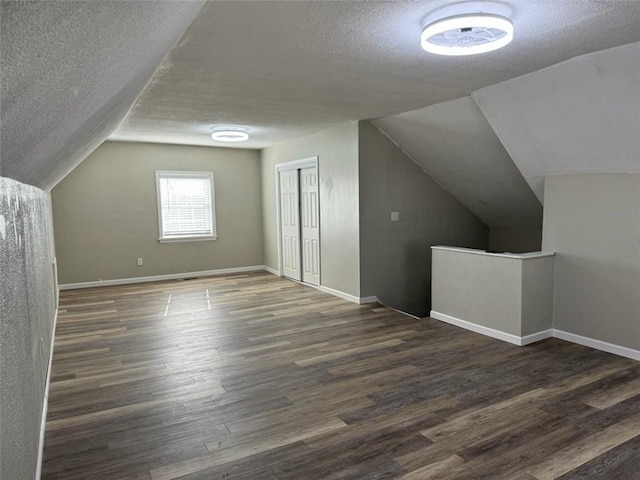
[229, 136]
[467, 34]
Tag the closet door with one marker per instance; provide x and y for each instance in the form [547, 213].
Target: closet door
[290, 223]
[309, 221]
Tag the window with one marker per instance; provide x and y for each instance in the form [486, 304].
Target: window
[186, 209]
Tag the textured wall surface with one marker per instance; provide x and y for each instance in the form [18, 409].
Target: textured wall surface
[455, 144]
[287, 69]
[27, 310]
[106, 216]
[511, 295]
[580, 116]
[70, 72]
[482, 289]
[395, 258]
[592, 223]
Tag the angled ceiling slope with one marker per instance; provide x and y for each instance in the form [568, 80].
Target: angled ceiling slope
[71, 71]
[581, 116]
[454, 143]
[287, 69]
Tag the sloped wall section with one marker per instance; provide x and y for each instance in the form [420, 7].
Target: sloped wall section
[70, 73]
[395, 257]
[27, 315]
[455, 144]
[580, 116]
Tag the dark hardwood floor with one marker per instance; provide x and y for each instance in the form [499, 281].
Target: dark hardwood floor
[255, 377]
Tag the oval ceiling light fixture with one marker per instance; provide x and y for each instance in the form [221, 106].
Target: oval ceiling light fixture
[229, 135]
[467, 34]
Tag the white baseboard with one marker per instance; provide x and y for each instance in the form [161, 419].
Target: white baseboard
[491, 332]
[271, 270]
[206, 273]
[536, 337]
[156, 278]
[45, 403]
[400, 311]
[347, 296]
[371, 299]
[338, 293]
[597, 344]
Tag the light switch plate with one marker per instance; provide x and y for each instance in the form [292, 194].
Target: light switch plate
[395, 216]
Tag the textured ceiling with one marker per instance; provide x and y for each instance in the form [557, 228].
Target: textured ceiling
[581, 116]
[285, 69]
[71, 71]
[454, 143]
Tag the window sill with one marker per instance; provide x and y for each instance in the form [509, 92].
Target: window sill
[199, 238]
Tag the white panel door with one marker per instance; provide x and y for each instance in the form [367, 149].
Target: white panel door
[290, 224]
[310, 222]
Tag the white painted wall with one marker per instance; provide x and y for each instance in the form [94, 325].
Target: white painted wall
[337, 151]
[592, 222]
[27, 317]
[580, 116]
[512, 295]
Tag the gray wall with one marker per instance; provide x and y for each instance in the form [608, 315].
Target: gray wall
[106, 216]
[395, 257]
[337, 150]
[27, 312]
[515, 240]
[455, 144]
[592, 222]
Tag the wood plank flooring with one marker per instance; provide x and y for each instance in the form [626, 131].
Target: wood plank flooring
[256, 377]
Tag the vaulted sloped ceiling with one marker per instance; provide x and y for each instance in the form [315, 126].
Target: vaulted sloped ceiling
[493, 149]
[580, 116]
[72, 69]
[285, 69]
[454, 143]
[70, 73]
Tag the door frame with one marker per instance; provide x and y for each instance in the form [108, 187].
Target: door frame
[296, 165]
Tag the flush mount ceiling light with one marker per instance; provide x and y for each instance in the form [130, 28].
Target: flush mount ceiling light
[229, 136]
[467, 34]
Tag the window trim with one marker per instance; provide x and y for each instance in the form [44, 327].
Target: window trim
[185, 238]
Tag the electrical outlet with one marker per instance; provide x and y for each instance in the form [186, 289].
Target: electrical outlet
[139, 262]
[395, 216]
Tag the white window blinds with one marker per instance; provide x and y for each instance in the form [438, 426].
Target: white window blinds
[185, 204]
